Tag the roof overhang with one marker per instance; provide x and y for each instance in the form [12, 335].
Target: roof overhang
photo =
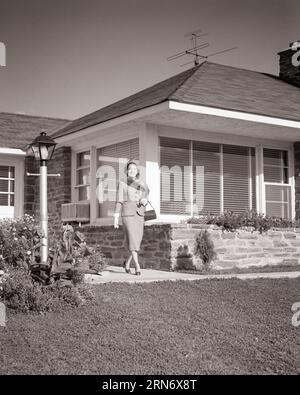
[219, 112]
[160, 111]
[12, 151]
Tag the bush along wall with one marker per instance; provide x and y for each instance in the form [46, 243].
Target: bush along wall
[174, 247]
[241, 248]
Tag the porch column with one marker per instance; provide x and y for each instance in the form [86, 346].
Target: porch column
[297, 178]
[149, 161]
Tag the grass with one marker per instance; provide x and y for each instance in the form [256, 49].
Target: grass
[197, 327]
[242, 270]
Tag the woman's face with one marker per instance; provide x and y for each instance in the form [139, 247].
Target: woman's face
[132, 170]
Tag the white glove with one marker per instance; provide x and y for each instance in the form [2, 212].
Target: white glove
[144, 201]
[116, 220]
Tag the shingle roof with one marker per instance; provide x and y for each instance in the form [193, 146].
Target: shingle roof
[17, 130]
[148, 97]
[209, 84]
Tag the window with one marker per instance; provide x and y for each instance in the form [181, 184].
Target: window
[275, 166]
[207, 193]
[239, 175]
[83, 176]
[7, 185]
[175, 176]
[277, 187]
[111, 164]
[200, 177]
[7, 191]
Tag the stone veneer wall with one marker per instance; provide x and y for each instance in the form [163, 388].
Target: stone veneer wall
[169, 246]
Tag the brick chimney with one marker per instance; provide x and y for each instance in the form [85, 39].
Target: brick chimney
[289, 63]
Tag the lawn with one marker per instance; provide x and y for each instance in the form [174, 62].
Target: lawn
[184, 327]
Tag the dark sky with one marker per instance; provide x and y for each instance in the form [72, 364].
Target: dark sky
[66, 58]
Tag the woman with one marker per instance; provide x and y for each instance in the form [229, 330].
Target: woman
[132, 198]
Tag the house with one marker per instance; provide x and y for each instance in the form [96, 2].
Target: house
[209, 139]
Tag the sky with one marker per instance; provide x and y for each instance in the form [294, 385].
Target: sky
[67, 58]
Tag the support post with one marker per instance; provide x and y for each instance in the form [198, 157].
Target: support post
[44, 212]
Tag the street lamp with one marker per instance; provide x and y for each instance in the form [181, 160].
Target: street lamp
[43, 147]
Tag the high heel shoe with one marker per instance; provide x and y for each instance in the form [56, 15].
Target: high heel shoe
[126, 270]
[137, 273]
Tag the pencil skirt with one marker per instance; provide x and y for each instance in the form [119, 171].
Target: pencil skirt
[133, 226]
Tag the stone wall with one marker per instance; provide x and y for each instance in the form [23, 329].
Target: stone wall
[155, 249]
[169, 246]
[242, 248]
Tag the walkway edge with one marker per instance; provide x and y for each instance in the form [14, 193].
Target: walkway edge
[116, 274]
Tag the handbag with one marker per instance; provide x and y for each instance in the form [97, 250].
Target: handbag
[150, 214]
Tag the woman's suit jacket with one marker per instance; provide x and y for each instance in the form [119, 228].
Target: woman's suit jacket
[129, 194]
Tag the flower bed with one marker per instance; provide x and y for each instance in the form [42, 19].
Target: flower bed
[26, 283]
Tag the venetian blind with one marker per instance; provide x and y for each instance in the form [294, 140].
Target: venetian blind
[238, 178]
[111, 165]
[206, 178]
[175, 180]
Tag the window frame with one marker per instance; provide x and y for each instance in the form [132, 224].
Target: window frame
[221, 173]
[77, 186]
[16, 161]
[291, 181]
[9, 180]
[94, 162]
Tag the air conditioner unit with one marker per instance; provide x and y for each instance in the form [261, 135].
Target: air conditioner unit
[76, 212]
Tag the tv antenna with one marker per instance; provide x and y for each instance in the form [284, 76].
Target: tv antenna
[194, 51]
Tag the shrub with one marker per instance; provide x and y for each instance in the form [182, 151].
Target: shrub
[19, 241]
[204, 248]
[71, 247]
[21, 293]
[96, 260]
[231, 221]
[76, 276]
[29, 284]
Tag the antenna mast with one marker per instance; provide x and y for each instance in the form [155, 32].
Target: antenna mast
[196, 47]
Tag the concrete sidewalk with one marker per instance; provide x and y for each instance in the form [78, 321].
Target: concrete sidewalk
[117, 274]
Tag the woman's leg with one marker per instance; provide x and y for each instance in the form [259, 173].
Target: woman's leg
[134, 255]
[127, 264]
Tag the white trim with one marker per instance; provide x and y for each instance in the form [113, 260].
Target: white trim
[191, 180]
[261, 184]
[12, 151]
[18, 164]
[221, 180]
[233, 114]
[250, 177]
[291, 179]
[278, 183]
[172, 105]
[220, 138]
[93, 186]
[74, 191]
[291, 171]
[113, 122]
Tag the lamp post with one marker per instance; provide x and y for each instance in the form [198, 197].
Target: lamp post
[43, 147]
